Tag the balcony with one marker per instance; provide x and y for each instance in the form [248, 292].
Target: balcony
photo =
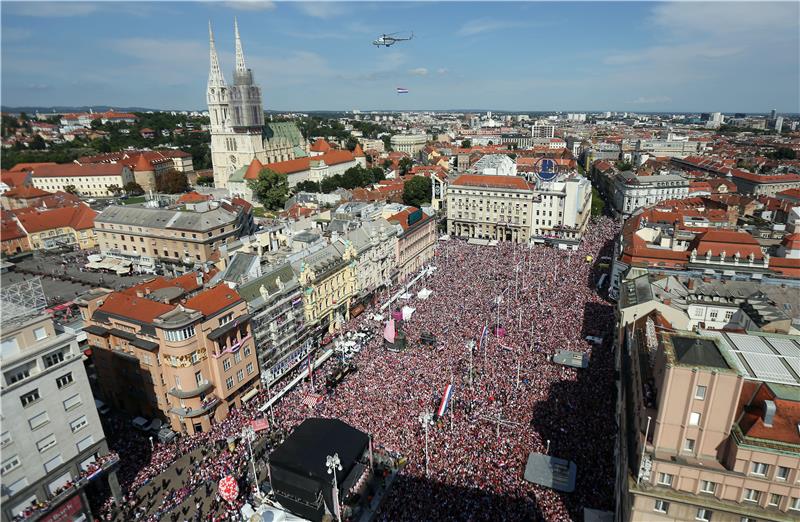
[208, 404]
[202, 387]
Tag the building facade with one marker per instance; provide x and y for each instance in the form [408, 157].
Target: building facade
[52, 436]
[190, 354]
[409, 143]
[94, 180]
[415, 245]
[174, 240]
[328, 280]
[630, 192]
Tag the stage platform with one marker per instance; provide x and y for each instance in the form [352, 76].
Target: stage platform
[574, 359]
[551, 472]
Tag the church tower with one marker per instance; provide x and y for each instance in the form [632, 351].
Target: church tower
[237, 117]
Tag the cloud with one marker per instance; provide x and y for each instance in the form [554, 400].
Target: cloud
[650, 100]
[419, 71]
[442, 70]
[485, 25]
[251, 5]
[323, 10]
[734, 20]
[50, 9]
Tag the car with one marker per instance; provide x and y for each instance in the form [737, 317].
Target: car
[102, 407]
[166, 435]
[140, 423]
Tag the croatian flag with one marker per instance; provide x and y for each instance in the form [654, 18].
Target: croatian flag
[448, 394]
[402, 90]
[483, 336]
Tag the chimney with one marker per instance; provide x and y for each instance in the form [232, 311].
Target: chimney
[769, 413]
[139, 293]
[147, 291]
[199, 279]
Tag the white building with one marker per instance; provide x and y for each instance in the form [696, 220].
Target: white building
[410, 143]
[630, 192]
[543, 130]
[495, 165]
[581, 117]
[51, 433]
[94, 179]
[671, 148]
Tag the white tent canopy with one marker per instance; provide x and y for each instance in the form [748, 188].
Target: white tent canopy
[424, 293]
[408, 312]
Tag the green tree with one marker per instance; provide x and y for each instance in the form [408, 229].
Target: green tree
[270, 188]
[387, 142]
[351, 143]
[172, 182]
[114, 190]
[417, 191]
[307, 186]
[38, 143]
[466, 144]
[387, 163]
[205, 181]
[133, 189]
[624, 165]
[70, 189]
[405, 165]
[598, 204]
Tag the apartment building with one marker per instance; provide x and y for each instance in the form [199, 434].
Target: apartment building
[188, 352]
[328, 280]
[91, 180]
[768, 184]
[275, 302]
[48, 229]
[708, 424]
[376, 246]
[172, 239]
[409, 143]
[416, 243]
[630, 191]
[52, 440]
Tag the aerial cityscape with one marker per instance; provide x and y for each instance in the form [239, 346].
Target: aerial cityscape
[400, 261]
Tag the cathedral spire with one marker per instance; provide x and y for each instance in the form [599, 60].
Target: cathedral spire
[240, 66]
[215, 78]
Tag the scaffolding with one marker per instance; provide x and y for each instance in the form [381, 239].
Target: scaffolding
[25, 298]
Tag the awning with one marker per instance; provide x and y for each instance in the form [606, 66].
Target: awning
[227, 327]
[249, 395]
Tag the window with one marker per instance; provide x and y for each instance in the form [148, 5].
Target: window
[759, 468]
[665, 479]
[688, 445]
[775, 499]
[5, 440]
[46, 443]
[752, 495]
[180, 335]
[226, 364]
[239, 376]
[64, 380]
[782, 473]
[661, 506]
[249, 368]
[694, 419]
[78, 424]
[40, 333]
[703, 514]
[53, 359]
[713, 315]
[72, 402]
[226, 319]
[237, 357]
[18, 375]
[11, 464]
[29, 398]
[53, 463]
[794, 505]
[706, 486]
[247, 351]
[195, 357]
[229, 383]
[728, 315]
[700, 393]
[198, 378]
[37, 421]
[85, 443]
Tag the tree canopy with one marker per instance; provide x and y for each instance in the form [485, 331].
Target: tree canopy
[417, 191]
[172, 182]
[270, 188]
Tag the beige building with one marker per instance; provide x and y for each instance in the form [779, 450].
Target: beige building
[410, 143]
[188, 353]
[97, 179]
[177, 239]
[708, 424]
[328, 279]
[415, 245]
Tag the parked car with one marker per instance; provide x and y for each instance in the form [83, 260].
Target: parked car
[166, 435]
[102, 407]
[140, 423]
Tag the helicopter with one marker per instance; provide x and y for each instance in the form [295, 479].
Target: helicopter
[387, 40]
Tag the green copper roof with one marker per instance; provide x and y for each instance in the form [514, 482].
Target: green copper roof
[284, 129]
[238, 175]
[299, 152]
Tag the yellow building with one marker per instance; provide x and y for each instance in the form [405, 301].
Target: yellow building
[328, 278]
[58, 227]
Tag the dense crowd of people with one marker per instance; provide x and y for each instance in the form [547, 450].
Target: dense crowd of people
[509, 398]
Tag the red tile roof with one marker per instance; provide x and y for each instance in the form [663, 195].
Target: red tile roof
[320, 146]
[784, 424]
[506, 182]
[15, 179]
[730, 242]
[25, 192]
[401, 218]
[188, 282]
[193, 197]
[253, 169]
[21, 167]
[142, 164]
[358, 152]
[9, 228]
[213, 300]
[66, 170]
[789, 194]
[78, 217]
[129, 306]
[333, 157]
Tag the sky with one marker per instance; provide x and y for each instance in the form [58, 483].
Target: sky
[517, 56]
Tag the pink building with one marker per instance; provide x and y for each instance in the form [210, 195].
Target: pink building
[709, 424]
[415, 245]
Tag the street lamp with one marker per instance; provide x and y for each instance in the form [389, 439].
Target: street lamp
[249, 435]
[334, 464]
[152, 446]
[426, 419]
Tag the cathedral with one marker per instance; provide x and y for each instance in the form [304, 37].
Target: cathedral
[238, 131]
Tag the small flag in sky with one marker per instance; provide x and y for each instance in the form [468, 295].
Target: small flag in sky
[402, 90]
